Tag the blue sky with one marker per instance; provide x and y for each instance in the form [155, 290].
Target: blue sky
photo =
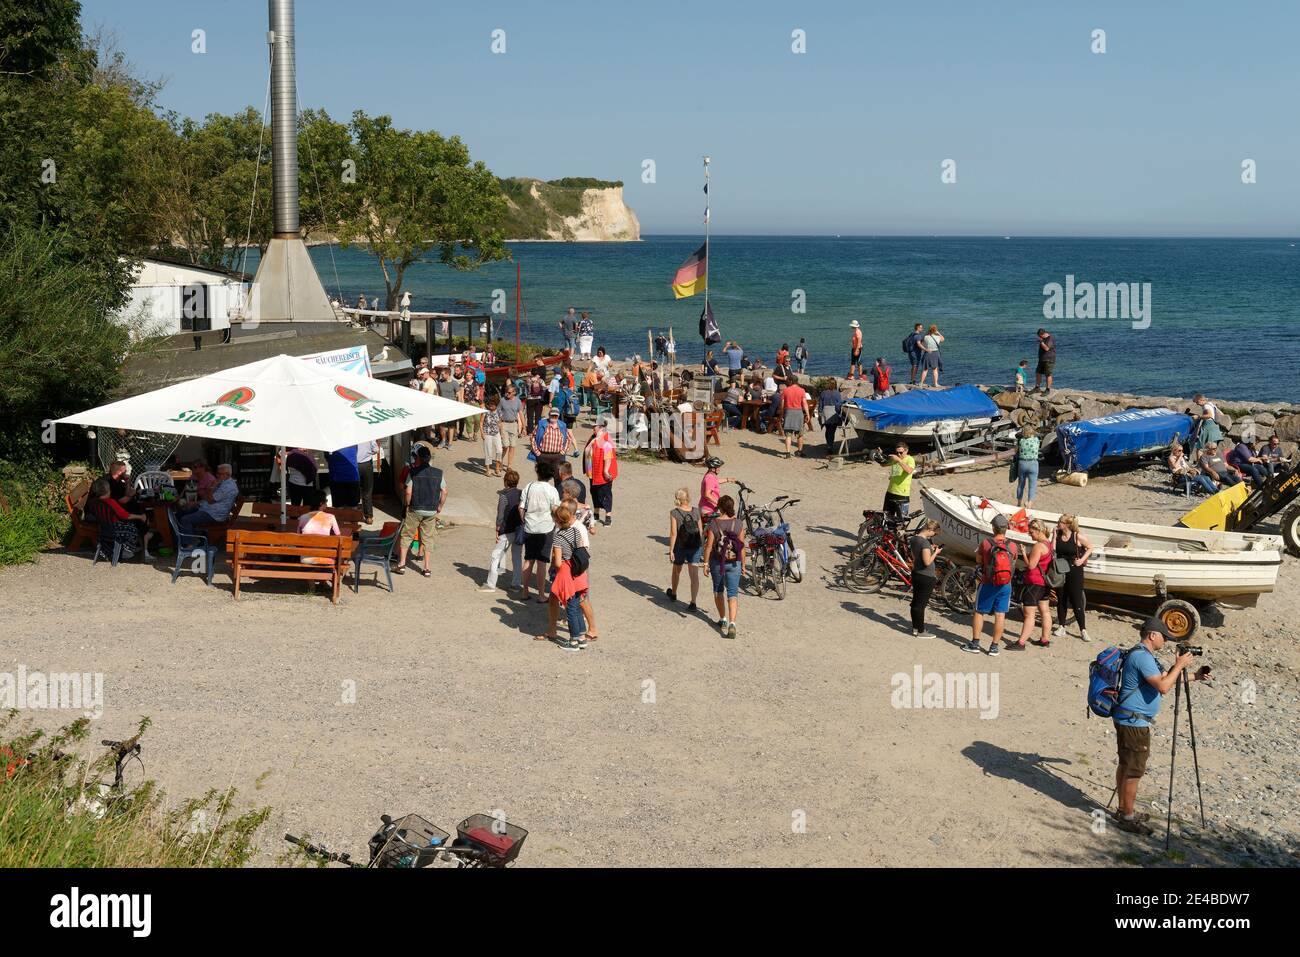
[1048, 137]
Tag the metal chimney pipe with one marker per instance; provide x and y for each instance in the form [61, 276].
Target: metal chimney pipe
[284, 119]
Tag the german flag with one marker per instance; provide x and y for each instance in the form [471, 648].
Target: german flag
[692, 276]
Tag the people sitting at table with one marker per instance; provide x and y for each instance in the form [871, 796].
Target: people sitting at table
[1271, 454]
[214, 506]
[201, 478]
[1211, 463]
[731, 405]
[1243, 460]
[316, 522]
[119, 481]
[116, 524]
[1186, 475]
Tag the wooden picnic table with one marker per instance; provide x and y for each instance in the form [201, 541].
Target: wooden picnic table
[749, 413]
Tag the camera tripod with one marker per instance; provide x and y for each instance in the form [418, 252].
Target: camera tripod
[1183, 685]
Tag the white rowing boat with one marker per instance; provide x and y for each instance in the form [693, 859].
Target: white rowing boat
[1130, 558]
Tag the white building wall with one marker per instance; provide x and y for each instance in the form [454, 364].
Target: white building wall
[161, 290]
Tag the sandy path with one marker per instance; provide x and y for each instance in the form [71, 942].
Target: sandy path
[458, 710]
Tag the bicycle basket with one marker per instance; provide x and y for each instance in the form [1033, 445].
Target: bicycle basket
[409, 841]
[500, 839]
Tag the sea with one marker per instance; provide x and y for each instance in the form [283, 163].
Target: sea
[1222, 315]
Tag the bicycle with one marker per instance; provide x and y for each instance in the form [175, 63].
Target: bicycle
[410, 841]
[775, 559]
[881, 548]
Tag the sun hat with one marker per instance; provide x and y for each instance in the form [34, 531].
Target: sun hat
[854, 324]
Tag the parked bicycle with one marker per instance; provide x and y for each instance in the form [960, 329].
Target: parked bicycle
[774, 560]
[959, 585]
[481, 841]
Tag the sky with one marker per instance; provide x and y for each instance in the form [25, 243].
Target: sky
[848, 137]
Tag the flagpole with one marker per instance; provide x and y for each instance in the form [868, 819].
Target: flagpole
[708, 208]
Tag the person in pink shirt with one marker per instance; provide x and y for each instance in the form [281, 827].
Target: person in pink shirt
[711, 488]
[316, 522]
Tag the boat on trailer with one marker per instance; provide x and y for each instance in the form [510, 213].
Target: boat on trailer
[1182, 569]
[921, 415]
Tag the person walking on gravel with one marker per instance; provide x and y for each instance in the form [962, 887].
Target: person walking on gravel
[996, 561]
[724, 558]
[685, 544]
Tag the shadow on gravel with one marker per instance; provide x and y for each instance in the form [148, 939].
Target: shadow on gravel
[902, 623]
[1031, 770]
[654, 593]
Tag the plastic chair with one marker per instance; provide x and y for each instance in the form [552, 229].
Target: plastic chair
[192, 546]
[105, 537]
[375, 550]
[152, 481]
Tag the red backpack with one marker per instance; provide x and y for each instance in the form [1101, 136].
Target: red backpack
[881, 377]
[999, 562]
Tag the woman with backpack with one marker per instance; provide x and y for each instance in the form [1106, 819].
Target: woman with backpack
[685, 545]
[1074, 548]
[1033, 597]
[724, 557]
[570, 557]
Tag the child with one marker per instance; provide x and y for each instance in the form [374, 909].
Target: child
[1022, 376]
[492, 449]
[880, 378]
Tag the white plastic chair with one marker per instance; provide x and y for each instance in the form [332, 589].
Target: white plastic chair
[152, 481]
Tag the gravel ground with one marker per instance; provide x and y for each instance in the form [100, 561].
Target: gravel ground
[664, 744]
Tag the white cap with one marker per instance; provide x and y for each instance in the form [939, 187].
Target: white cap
[853, 324]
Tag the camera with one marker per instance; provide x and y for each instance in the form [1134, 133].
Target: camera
[1185, 649]
[878, 456]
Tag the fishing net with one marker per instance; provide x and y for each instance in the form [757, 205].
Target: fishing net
[141, 451]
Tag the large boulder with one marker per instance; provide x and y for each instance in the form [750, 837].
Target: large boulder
[1006, 401]
[1287, 428]
[1264, 418]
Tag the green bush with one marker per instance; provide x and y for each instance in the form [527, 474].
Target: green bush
[25, 530]
[54, 813]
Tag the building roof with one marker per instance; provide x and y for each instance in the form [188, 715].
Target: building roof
[176, 360]
[198, 267]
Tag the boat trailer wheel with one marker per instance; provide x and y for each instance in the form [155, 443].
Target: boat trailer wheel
[1181, 618]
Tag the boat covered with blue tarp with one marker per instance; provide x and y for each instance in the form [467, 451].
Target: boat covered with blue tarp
[921, 411]
[1128, 434]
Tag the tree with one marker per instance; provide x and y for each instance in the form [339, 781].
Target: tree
[417, 192]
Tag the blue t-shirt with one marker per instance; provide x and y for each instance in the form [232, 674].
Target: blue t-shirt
[343, 465]
[1138, 701]
[733, 358]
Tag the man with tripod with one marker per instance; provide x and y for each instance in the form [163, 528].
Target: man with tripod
[1142, 688]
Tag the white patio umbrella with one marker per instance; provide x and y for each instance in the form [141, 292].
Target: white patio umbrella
[282, 401]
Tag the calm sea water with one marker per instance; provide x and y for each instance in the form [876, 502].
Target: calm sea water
[1225, 314]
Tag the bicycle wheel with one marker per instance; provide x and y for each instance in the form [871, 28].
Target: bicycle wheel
[797, 559]
[871, 575]
[757, 576]
[958, 589]
[778, 577]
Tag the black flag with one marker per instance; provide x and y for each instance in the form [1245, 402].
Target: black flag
[708, 328]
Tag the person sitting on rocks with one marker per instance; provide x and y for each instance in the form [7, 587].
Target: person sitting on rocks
[1271, 454]
[1242, 459]
[1211, 463]
[1186, 475]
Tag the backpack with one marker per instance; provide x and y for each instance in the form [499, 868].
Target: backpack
[732, 546]
[908, 345]
[535, 389]
[1001, 561]
[688, 530]
[881, 377]
[1105, 678]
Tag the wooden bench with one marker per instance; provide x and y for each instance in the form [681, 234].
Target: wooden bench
[279, 555]
[83, 532]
